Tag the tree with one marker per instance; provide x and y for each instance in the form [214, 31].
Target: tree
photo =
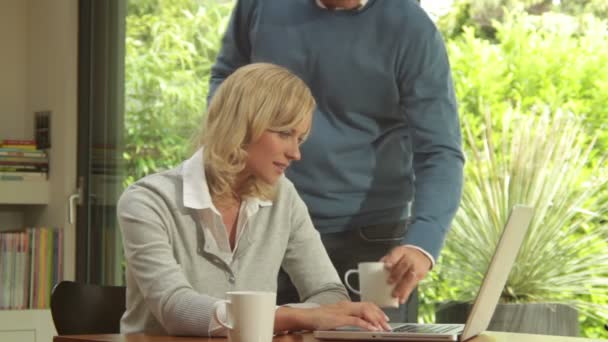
[170, 47]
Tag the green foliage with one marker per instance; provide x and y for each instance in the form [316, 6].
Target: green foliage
[170, 47]
[598, 8]
[535, 62]
[541, 160]
[484, 15]
[551, 62]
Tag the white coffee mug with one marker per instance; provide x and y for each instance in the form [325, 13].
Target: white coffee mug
[250, 316]
[373, 284]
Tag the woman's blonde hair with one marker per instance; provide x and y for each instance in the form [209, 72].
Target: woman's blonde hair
[253, 99]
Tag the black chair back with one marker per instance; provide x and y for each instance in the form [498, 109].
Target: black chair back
[79, 308]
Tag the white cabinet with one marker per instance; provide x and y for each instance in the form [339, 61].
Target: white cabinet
[18, 336]
[24, 192]
[26, 326]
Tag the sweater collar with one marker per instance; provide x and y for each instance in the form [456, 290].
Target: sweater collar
[361, 5]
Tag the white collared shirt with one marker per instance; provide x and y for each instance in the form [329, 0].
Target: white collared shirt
[198, 197]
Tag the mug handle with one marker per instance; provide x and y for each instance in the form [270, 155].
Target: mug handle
[346, 275]
[217, 317]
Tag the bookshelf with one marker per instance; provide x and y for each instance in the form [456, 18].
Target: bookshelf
[39, 64]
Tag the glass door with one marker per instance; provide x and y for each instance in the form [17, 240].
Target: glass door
[143, 82]
[100, 140]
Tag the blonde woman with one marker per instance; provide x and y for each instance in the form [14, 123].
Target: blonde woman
[227, 219]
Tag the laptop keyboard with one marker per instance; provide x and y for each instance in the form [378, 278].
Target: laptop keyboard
[425, 328]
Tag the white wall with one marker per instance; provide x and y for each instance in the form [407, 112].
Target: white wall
[52, 85]
[38, 71]
[14, 31]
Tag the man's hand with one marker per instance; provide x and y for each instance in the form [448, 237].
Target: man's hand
[407, 267]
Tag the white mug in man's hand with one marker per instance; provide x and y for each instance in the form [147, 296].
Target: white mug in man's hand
[250, 316]
[373, 284]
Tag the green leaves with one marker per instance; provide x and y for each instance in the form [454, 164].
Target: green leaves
[535, 61]
[170, 48]
[534, 108]
[541, 160]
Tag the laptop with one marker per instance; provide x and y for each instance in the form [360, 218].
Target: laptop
[483, 308]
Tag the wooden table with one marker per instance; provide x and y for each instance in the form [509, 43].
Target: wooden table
[307, 337]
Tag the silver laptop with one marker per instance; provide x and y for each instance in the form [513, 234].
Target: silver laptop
[487, 298]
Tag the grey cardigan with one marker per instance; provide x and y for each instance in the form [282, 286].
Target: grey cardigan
[175, 275]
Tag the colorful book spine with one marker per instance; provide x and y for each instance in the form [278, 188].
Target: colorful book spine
[25, 281]
[20, 153]
[12, 266]
[17, 291]
[19, 144]
[23, 176]
[4, 289]
[31, 263]
[42, 265]
[55, 261]
[60, 256]
[50, 260]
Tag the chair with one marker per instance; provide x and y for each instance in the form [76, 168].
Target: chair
[79, 308]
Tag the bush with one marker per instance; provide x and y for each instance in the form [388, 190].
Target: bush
[534, 64]
[530, 63]
[482, 15]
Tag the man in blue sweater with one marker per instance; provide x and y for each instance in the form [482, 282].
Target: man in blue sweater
[381, 172]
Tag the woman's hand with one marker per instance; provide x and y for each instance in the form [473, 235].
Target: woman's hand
[364, 315]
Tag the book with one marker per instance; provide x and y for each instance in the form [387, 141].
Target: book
[4, 275]
[23, 160]
[16, 152]
[35, 279]
[23, 176]
[22, 163]
[25, 148]
[23, 168]
[30, 264]
[12, 268]
[25, 280]
[19, 263]
[42, 268]
[18, 142]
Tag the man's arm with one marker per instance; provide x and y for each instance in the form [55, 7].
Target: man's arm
[429, 103]
[236, 47]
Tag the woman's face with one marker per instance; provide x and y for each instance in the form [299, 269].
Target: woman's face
[271, 154]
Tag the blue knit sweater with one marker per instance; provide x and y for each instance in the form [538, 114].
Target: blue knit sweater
[387, 121]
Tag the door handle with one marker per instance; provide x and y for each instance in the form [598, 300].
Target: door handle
[74, 200]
